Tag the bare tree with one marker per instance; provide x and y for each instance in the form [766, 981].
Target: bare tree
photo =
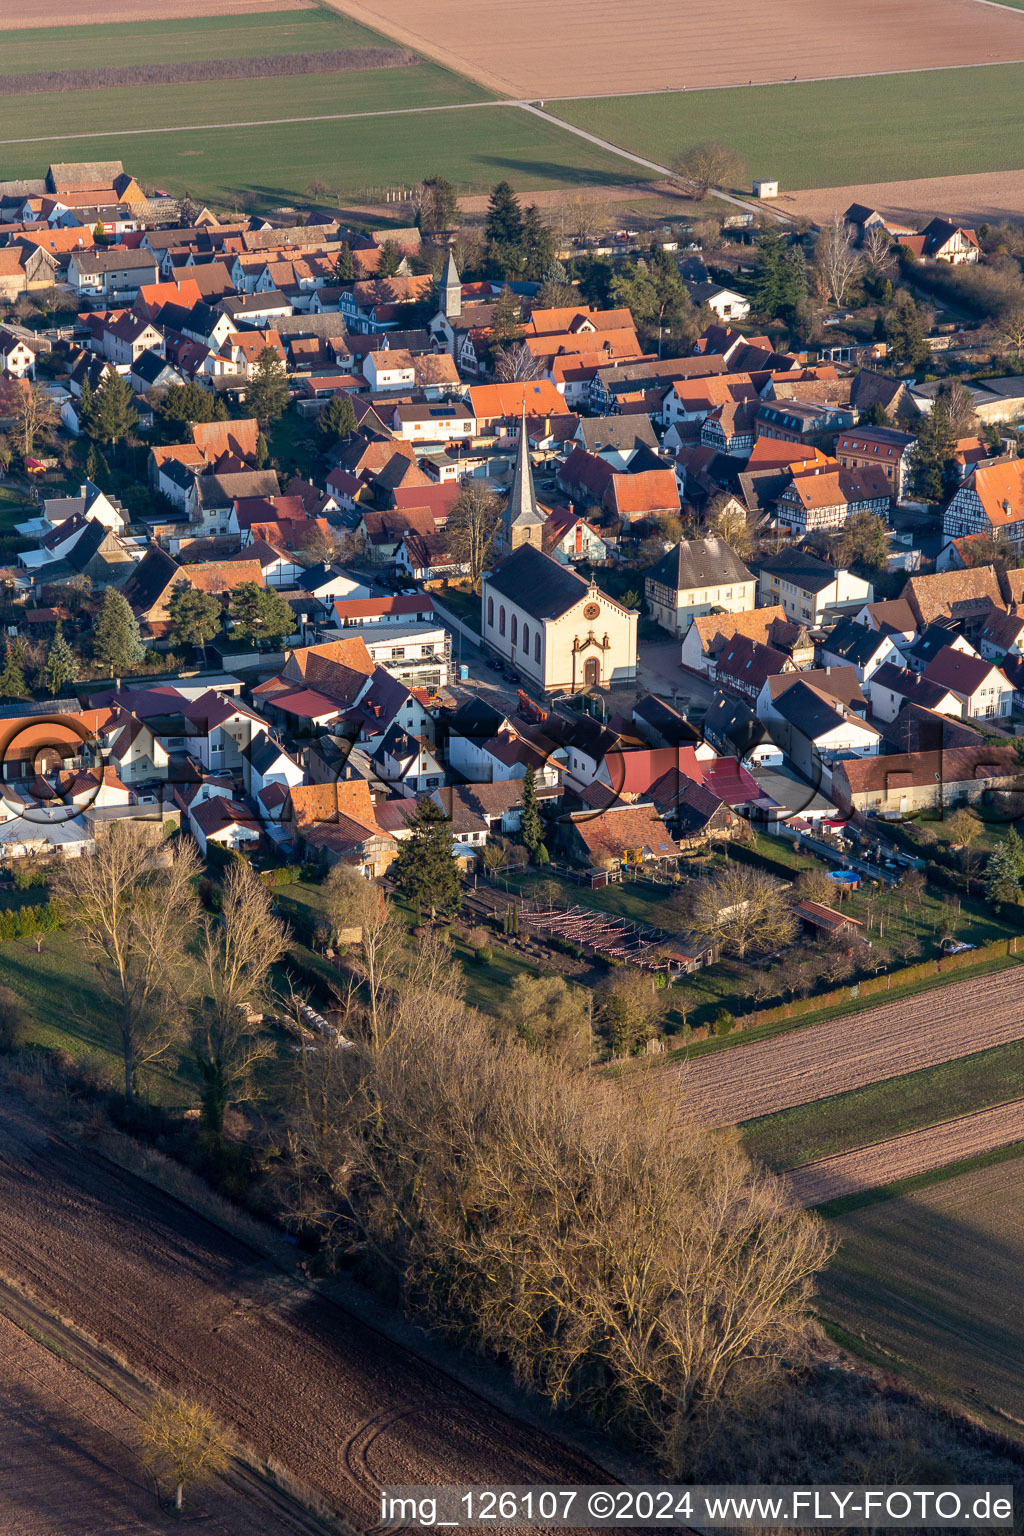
[744, 908]
[136, 908]
[1010, 328]
[582, 216]
[472, 525]
[31, 409]
[879, 252]
[708, 165]
[836, 264]
[181, 1439]
[516, 364]
[729, 522]
[237, 954]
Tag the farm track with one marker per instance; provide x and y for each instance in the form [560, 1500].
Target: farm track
[742, 1082]
[299, 1381]
[903, 1157]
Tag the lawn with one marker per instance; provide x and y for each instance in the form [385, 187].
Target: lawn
[268, 165]
[933, 1279]
[829, 133]
[848, 1120]
[37, 49]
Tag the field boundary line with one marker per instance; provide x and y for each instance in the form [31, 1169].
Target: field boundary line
[881, 1141]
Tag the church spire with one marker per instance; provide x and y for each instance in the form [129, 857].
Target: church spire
[451, 289]
[522, 513]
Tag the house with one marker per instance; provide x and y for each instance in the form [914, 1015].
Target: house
[648, 493]
[619, 836]
[695, 577]
[854, 645]
[964, 596]
[806, 586]
[885, 447]
[840, 683]
[800, 421]
[407, 763]
[709, 634]
[115, 273]
[265, 762]
[990, 501]
[726, 303]
[1002, 636]
[924, 647]
[916, 729]
[895, 688]
[942, 240]
[743, 665]
[17, 358]
[984, 691]
[823, 499]
[563, 632]
[362, 612]
[223, 821]
[816, 730]
[338, 824]
[903, 783]
[568, 537]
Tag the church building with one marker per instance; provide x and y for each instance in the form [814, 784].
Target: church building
[523, 519]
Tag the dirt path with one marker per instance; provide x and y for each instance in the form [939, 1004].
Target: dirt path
[744, 1081]
[299, 1380]
[901, 1157]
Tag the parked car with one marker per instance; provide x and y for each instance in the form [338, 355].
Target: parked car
[955, 946]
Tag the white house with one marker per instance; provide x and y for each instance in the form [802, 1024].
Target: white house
[984, 691]
[807, 586]
[562, 632]
[223, 821]
[408, 763]
[695, 577]
[264, 762]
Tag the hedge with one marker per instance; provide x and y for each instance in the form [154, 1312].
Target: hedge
[21, 922]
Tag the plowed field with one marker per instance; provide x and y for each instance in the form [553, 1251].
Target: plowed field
[742, 1081]
[612, 48]
[56, 13]
[300, 1380]
[902, 1157]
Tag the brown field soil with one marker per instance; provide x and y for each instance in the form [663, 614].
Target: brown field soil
[296, 1378]
[85, 13]
[71, 1464]
[986, 198]
[743, 1081]
[903, 1157]
[666, 45]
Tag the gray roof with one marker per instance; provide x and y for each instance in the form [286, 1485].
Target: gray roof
[802, 569]
[222, 490]
[855, 643]
[537, 584]
[117, 259]
[699, 563]
[622, 432]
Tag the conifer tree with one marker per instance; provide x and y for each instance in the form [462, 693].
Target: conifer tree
[117, 644]
[530, 827]
[61, 663]
[12, 678]
[425, 870]
[113, 413]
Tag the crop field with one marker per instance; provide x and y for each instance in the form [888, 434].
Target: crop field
[298, 1379]
[667, 45]
[71, 1461]
[831, 133]
[804, 1065]
[905, 1157]
[265, 165]
[933, 1278]
[17, 14]
[810, 1132]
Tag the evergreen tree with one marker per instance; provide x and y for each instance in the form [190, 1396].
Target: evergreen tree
[530, 826]
[96, 468]
[337, 419]
[61, 663]
[536, 246]
[931, 460]
[425, 870]
[86, 415]
[195, 617]
[438, 209]
[768, 282]
[1002, 874]
[344, 267]
[904, 331]
[504, 226]
[117, 644]
[262, 450]
[261, 614]
[506, 320]
[184, 405]
[267, 393]
[390, 259]
[12, 678]
[113, 413]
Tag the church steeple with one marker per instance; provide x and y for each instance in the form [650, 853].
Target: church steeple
[523, 520]
[451, 289]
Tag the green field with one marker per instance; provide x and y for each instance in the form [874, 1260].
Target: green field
[474, 148]
[848, 1120]
[830, 133]
[36, 49]
[932, 1279]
